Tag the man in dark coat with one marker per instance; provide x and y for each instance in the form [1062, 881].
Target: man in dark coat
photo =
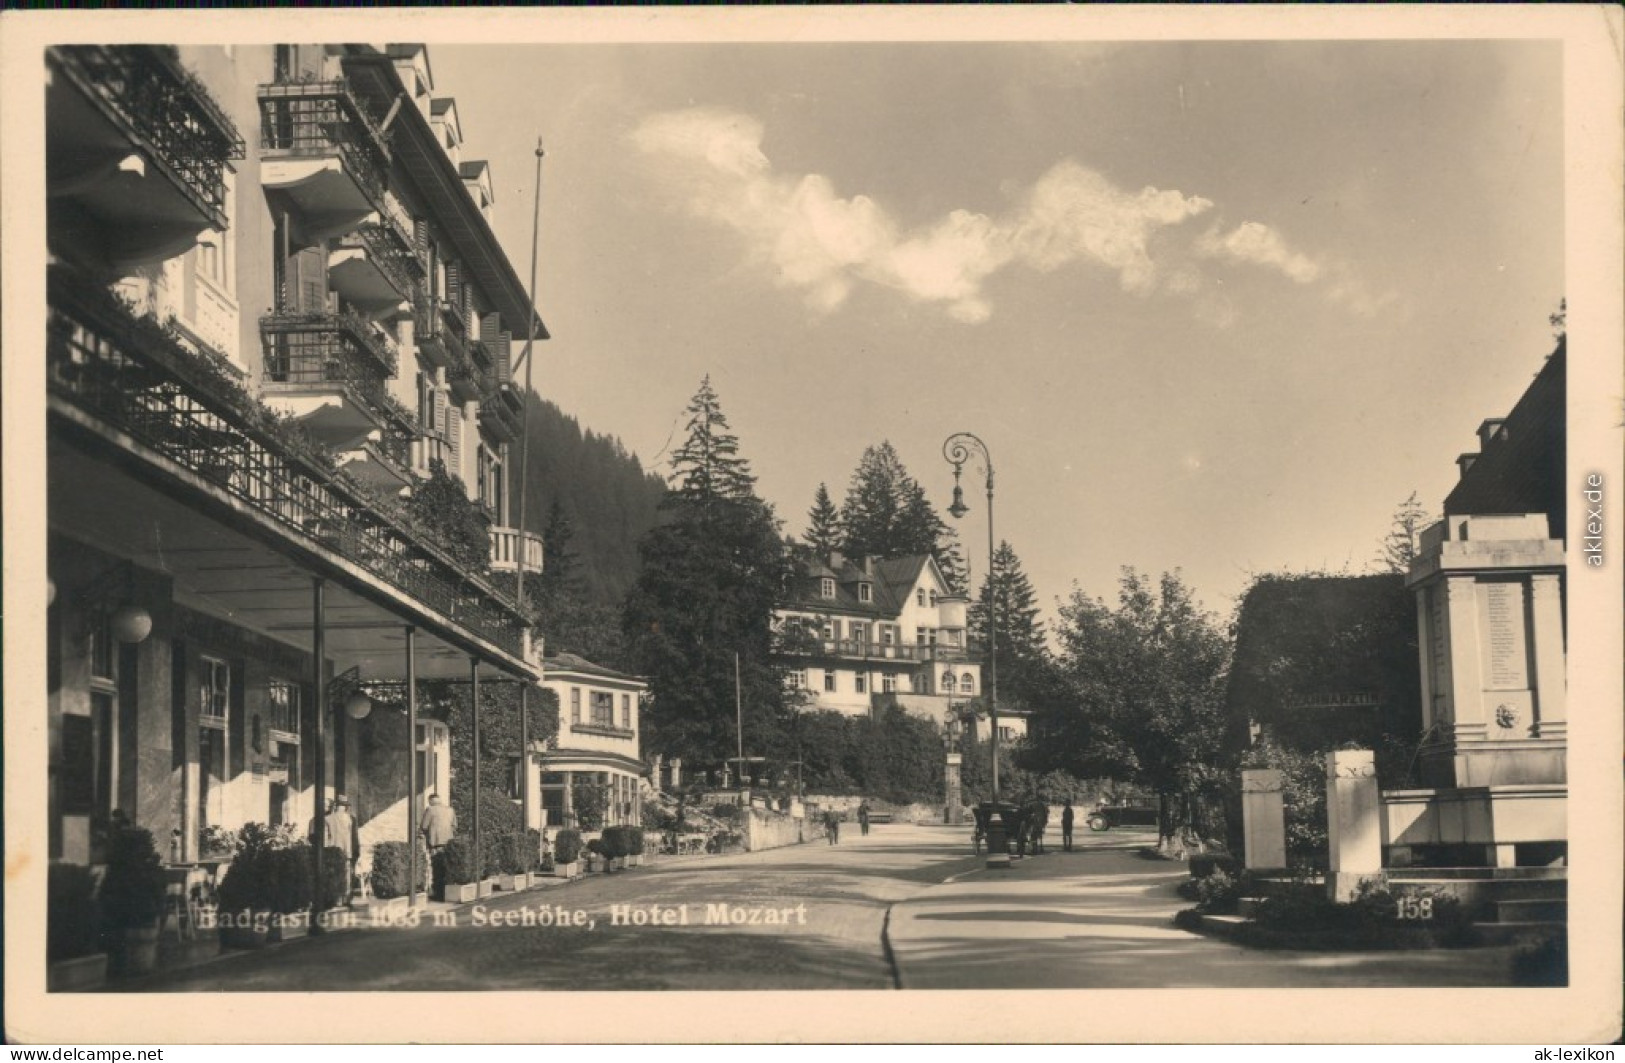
[1066, 825]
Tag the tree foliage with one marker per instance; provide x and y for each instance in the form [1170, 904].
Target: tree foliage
[1144, 686]
[1403, 541]
[1023, 656]
[886, 514]
[711, 575]
[823, 524]
[571, 620]
[598, 489]
[895, 756]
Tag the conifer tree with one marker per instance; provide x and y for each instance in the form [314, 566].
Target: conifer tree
[711, 576]
[1020, 632]
[887, 514]
[823, 524]
[1400, 546]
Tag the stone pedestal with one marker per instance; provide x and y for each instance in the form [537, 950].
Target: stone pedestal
[1490, 628]
[1353, 821]
[1263, 820]
[953, 798]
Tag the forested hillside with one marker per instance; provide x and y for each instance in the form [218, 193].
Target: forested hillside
[600, 489]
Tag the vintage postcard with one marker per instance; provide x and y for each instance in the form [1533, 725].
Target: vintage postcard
[747, 524]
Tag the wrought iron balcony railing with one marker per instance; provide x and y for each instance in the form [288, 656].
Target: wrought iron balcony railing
[443, 346]
[128, 374]
[399, 264]
[164, 110]
[317, 118]
[351, 335]
[604, 730]
[810, 645]
[502, 413]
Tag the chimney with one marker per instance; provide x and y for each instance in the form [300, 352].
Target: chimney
[1493, 428]
[869, 563]
[836, 560]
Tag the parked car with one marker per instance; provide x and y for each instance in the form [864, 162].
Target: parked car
[1123, 814]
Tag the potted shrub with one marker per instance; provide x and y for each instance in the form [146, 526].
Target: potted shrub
[566, 853]
[390, 877]
[461, 873]
[616, 847]
[533, 856]
[266, 888]
[73, 928]
[634, 845]
[132, 898]
[491, 846]
[512, 867]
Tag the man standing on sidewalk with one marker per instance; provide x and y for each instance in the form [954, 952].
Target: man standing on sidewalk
[1066, 826]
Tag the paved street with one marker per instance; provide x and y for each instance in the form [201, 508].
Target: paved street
[836, 897]
[1102, 917]
[1097, 917]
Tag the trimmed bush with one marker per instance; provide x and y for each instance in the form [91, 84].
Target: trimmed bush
[634, 837]
[511, 858]
[74, 918]
[457, 859]
[613, 844]
[567, 847]
[389, 869]
[533, 849]
[132, 891]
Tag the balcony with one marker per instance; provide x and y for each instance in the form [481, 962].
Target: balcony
[471, 378]
[435, 339]
[383, 461]
[505, 550]
[603, 730]
[372, 269]
[323, 151]
[502, 413]
[339, 356]
[806, 645]
[174, 408]
[136, 154]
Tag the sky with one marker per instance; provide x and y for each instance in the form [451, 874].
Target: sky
[1217, 307]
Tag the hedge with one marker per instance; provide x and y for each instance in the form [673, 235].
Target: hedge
[457, 861]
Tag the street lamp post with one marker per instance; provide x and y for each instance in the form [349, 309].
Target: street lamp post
[960, 448]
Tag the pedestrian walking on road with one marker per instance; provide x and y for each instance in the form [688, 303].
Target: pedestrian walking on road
[832, 826]
[863, 817]
[439, 827]
[1066, 826]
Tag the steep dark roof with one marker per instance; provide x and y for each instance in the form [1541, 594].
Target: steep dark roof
[1520, 467]
[892, 580]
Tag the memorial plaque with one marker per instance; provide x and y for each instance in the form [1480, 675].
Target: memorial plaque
[1504, 644]
[1438, 646]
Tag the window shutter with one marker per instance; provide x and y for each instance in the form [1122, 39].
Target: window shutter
[454, 283]
[454, 439]
[504, 358]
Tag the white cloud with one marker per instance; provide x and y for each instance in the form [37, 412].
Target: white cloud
[1257, 244]
[824, 245]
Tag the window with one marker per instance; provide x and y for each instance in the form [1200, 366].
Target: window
[861, 683]
[829, 681]
[967, 683]
[575, 704]
[626, 711]
[826, 587]
[919, 596]
[796, 680]
[888, 634]
[858, 632]
[214, 698]
[1006, 735]
[866, 592]
[888, 684]
[603, 708]
[947, 682]
[933, 598]
[829, 628]
[951, 636]
[282, 710]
